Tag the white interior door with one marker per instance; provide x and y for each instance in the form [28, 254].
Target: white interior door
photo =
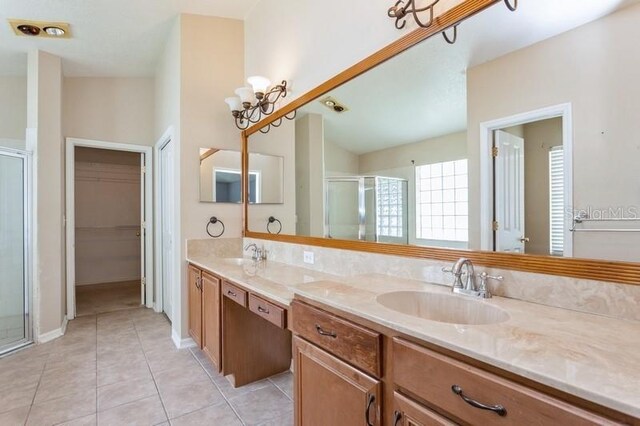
[509, 193]
[143, 231]
[167, 173]
[15, 296]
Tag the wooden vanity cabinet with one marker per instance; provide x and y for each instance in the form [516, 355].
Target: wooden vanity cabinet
[407, 412]
[211, 336]
[195, 304]
[329, 391]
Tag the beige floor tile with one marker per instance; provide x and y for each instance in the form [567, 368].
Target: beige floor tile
[285, 420]
[180, 376]
[123, 373]
[120, 357]
[15, 397]
[65, 360]
[15, 417]
[64, 382]
[284, 382]
[20, 377]
[261, 405]
[63, 409]
[230, 392]
[124, 392]
[143, 412]
[185, 398]
[219, 414]
[90, 420]
[165, 360]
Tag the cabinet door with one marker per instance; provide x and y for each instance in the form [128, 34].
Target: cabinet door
[195, 304]
[407, 412]
[211, 318]
[331, 392]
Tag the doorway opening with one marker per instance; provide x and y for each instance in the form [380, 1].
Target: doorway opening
[108, 235]
[527, 189]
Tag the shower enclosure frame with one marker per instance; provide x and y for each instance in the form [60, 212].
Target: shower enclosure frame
[28, 313]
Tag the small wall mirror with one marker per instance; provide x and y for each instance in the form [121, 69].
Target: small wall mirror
[220, 176]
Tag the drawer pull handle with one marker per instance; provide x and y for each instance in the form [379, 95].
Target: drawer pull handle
[367, 413]
[498, 409]
[397, 416]
[232, 294]
[322, 332]
[263, 310]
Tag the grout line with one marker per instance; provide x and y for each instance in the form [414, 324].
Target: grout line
[153, 377]
[218, 387]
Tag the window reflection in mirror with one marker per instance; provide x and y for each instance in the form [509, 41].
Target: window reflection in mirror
[514, 131]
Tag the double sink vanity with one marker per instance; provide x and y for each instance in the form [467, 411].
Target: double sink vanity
[373, 349]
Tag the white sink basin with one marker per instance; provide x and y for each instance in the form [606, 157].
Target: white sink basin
[443, 307]
[239, 261]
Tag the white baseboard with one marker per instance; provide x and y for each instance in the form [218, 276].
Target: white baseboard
[182, 343]
[54, 334]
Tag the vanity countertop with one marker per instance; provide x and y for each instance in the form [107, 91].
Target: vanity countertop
[593, 357]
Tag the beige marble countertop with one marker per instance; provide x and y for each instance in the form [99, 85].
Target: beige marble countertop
[593, 357]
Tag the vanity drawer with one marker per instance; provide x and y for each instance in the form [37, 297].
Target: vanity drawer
[356, 345]
[234, 293]
[272, 313]
[407, 412]
[431, 376]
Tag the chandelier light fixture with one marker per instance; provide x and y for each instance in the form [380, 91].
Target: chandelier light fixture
[252, 103]
[402, 8]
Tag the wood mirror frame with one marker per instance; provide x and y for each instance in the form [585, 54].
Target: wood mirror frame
[601, 270]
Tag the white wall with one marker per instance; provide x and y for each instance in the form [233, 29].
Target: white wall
[595, 68]
[44, 118]
[109, 109]
[308, 42]
[13, 111]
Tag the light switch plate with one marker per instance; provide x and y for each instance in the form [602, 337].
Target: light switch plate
[308, 257]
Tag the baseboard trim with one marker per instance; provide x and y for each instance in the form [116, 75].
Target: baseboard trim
[54, 334]
[182, 343]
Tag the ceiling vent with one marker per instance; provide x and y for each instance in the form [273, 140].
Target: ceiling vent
[40, 29]
[334, 105]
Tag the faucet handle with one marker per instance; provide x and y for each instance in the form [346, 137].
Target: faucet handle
[447, 270]
[482, 288]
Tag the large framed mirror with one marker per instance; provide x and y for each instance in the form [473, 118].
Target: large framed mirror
[514, 147]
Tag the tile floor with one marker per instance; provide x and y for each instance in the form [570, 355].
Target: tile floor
[121, 368]
[100, 298]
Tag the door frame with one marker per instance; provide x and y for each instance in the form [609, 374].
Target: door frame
[167, 137]
[28, 249]
[69, 219]
[486, 167]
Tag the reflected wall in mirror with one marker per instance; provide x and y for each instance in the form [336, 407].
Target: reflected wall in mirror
[503, 140]
[221, 177]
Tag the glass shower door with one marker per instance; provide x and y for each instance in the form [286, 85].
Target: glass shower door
[15, 329]
[345, 209]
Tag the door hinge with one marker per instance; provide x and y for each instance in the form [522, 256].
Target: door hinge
[144, 281]
[143, 169]
[496, 225]
[494, 151]
[144, 225]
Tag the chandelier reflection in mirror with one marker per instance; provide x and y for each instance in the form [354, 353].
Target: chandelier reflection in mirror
[402, 8]
[252, 103]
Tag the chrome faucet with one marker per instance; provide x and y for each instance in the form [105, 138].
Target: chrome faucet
[464, 281]
[258, 253]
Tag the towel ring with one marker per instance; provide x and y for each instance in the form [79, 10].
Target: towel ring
[511, 7]
[455, 35]
[272, 220]
[213, 221]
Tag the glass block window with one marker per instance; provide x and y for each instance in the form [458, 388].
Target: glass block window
[556, 201]
[390, 207]
[442, 201]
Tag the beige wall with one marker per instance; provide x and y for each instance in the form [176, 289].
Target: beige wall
[280, 141]
[109, 109]
[210, 57]
[309, 175]
[338, 161]
[44, 118]
[539, 138]
[13, 111]
[595, 68]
